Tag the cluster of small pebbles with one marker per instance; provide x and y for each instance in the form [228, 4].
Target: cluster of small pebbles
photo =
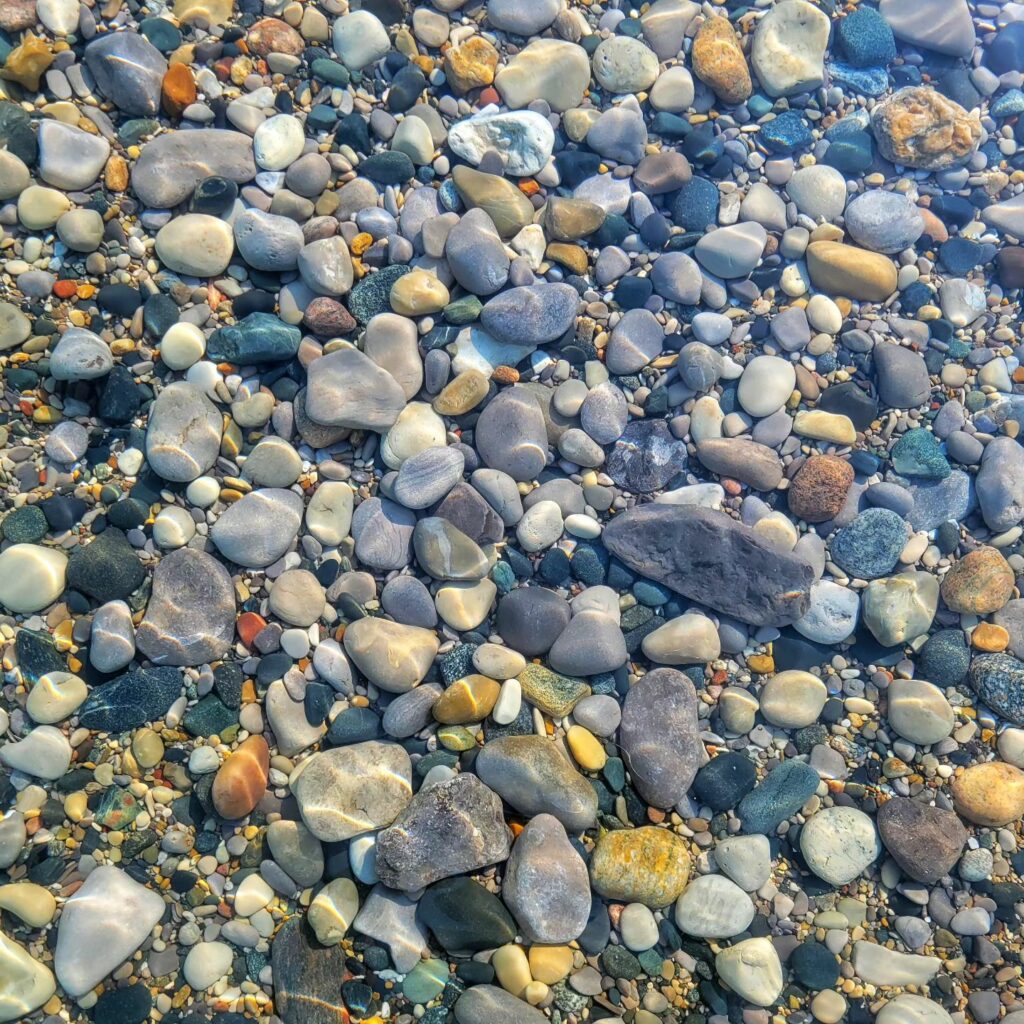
[511, 511]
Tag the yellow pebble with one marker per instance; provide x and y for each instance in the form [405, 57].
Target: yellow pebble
[586, 749]
[512, 968]
[550, 964]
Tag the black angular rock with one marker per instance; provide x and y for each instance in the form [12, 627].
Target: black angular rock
[646, 457]
[131, 700]
[108, 569]
[464, 916]
[708, 557]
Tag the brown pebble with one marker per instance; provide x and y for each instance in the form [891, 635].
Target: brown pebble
[980, 583]
[818, 491]
[241, 780]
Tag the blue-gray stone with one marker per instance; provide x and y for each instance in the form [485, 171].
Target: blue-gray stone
[870, 546]
[998, 680]
[783, 792]
[259, 338]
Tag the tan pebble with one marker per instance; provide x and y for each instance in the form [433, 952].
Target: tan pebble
[586, 749]
[512, 968]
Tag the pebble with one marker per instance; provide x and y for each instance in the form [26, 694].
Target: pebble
[839, 843]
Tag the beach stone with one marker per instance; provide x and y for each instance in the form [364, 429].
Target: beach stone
[979, 583]
[392, 656]
[190, 618]
[428, 476]
[925, 841]
[912, 1009]
[918, 711]
[531, 775]
[70, 158]
[646, 457]
[80, 355]
[476, 255]
[347, 389]
[839, 269]
[43, 753]
[55, 696]
[818, 492]
[932, 24]
[259, 528]
[32, 577]
[713, 907]
[900, 608]
[659, 736]
[333, 910]
[545, 883]
[553, 70]
[756, 582]
[325, 265]
[999, 484]
[819, 191]
[463, 811]
[297, 598]
[523, 139]
[383, 532]
[511, 435]
[241, 780]
[746, 860]
[531, 315]
[751, 967]
[360, 39]
[793, 699]
[884, 967]
[685, 640]
[622, 64]
[131, 700]
[883, 221]
[676, 277]
[305, 976]
[266, 241]
[766, 385]
[990, 793]
[735, 250]
[128, 70]
[488, 1004]
[509, 210]
[718, 61]
[870, 546]
[346, 791]
[645, 865]
[206, 964]
[998, 680]
[919, 127]
[902, 376]
[788, 49]
[530, 619]
[839, 844]
[113, 914]
[738, 459]
[590, 644]
[782, 793]
[26, 983]
[196, 244]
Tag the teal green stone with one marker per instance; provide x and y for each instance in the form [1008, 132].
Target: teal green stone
[425, 981]
[25, 525]
[209, 717]
[322, 118]
[330, 71]
[918, 453]
[463, 311]
[373, 294]
[134, 131]
[118, 808]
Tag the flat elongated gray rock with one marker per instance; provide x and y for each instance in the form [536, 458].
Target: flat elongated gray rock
[533, 314]
[110, 915]
[449, 829]
[488, 1004]
[348, 389]
[708, 557]
[171, 165]
[659, 736]
[306, 976]
[190, 619]
[545, 883]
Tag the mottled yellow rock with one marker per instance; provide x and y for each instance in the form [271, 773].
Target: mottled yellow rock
[469, 699]
[470, 65]
[466, 392]
[25, 64]
[990, 794]
[586, 748]
[919, 127]
[417, 293]
[718, 61]
[824, 426]
[979, 583]
[839, 269]
[550, 964]
[640, 865]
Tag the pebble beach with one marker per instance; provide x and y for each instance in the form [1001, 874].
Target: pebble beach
[511, 512]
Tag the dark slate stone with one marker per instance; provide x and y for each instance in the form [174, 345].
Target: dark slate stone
[108, 569]
[530, 619]
[870, 546]
[710, 558]
[783, 792]
[307, 976]
[465, 917]
[725, 780]
[259, 338]
[131, 700]
[998, 680]
[925, 841]
[646, 457]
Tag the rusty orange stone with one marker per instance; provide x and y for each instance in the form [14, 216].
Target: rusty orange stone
[270, 35]
[178, 89]
[249, 626]
[65, 289]
[987, 636]
[242, 779]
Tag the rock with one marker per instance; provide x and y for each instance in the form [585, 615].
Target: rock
[911, 1009]
[646, 457]
[258, 529]
[173, 164]
[241, 780]
[258, 338]
[919, 712]
[70, 158]
[932, 24]
[713, 907]
[184, 433]
[392, 656]
[131, 700]
[902, 376]
[659, 736]
[545, 883]
[190, 618]
[462, 810]
[128, 70]
[55, 696]
[325, 265]
[622, 64]
[925, 841]
[488, 1004]
[979, 583]
[998, 680]
[346, 791]
[25, 983]
[511, 435]
[476, 255]
[839, 844]
[549, 69]
[31, 577]
[531, 775]
[465, 917]
[196, 244]
[347, 389]
[508, 208]
[360, 39]
[523, 139]
[883, 221]
[43, 753]
[206, 964]
[531, 315]
[1000, 483]
[645, 865]
[900, 608]
[530, 619]
[766, 385]
[111, 914]
[718, 61]
[751, 968]
[788, 51]
[990, 793]
[782, 793]
[738, 459]
[390, 917]
[839, 269]
[683, 547]
[919, 127]
[793, 699]
[746, 860]
[878, 965]
[870, 546]
[735, 250]
[471, 64]
[818, 492]
[80, 355]
[686, 640]
[332, 911]
[590, 644]
[305, 976]
[446, 553]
